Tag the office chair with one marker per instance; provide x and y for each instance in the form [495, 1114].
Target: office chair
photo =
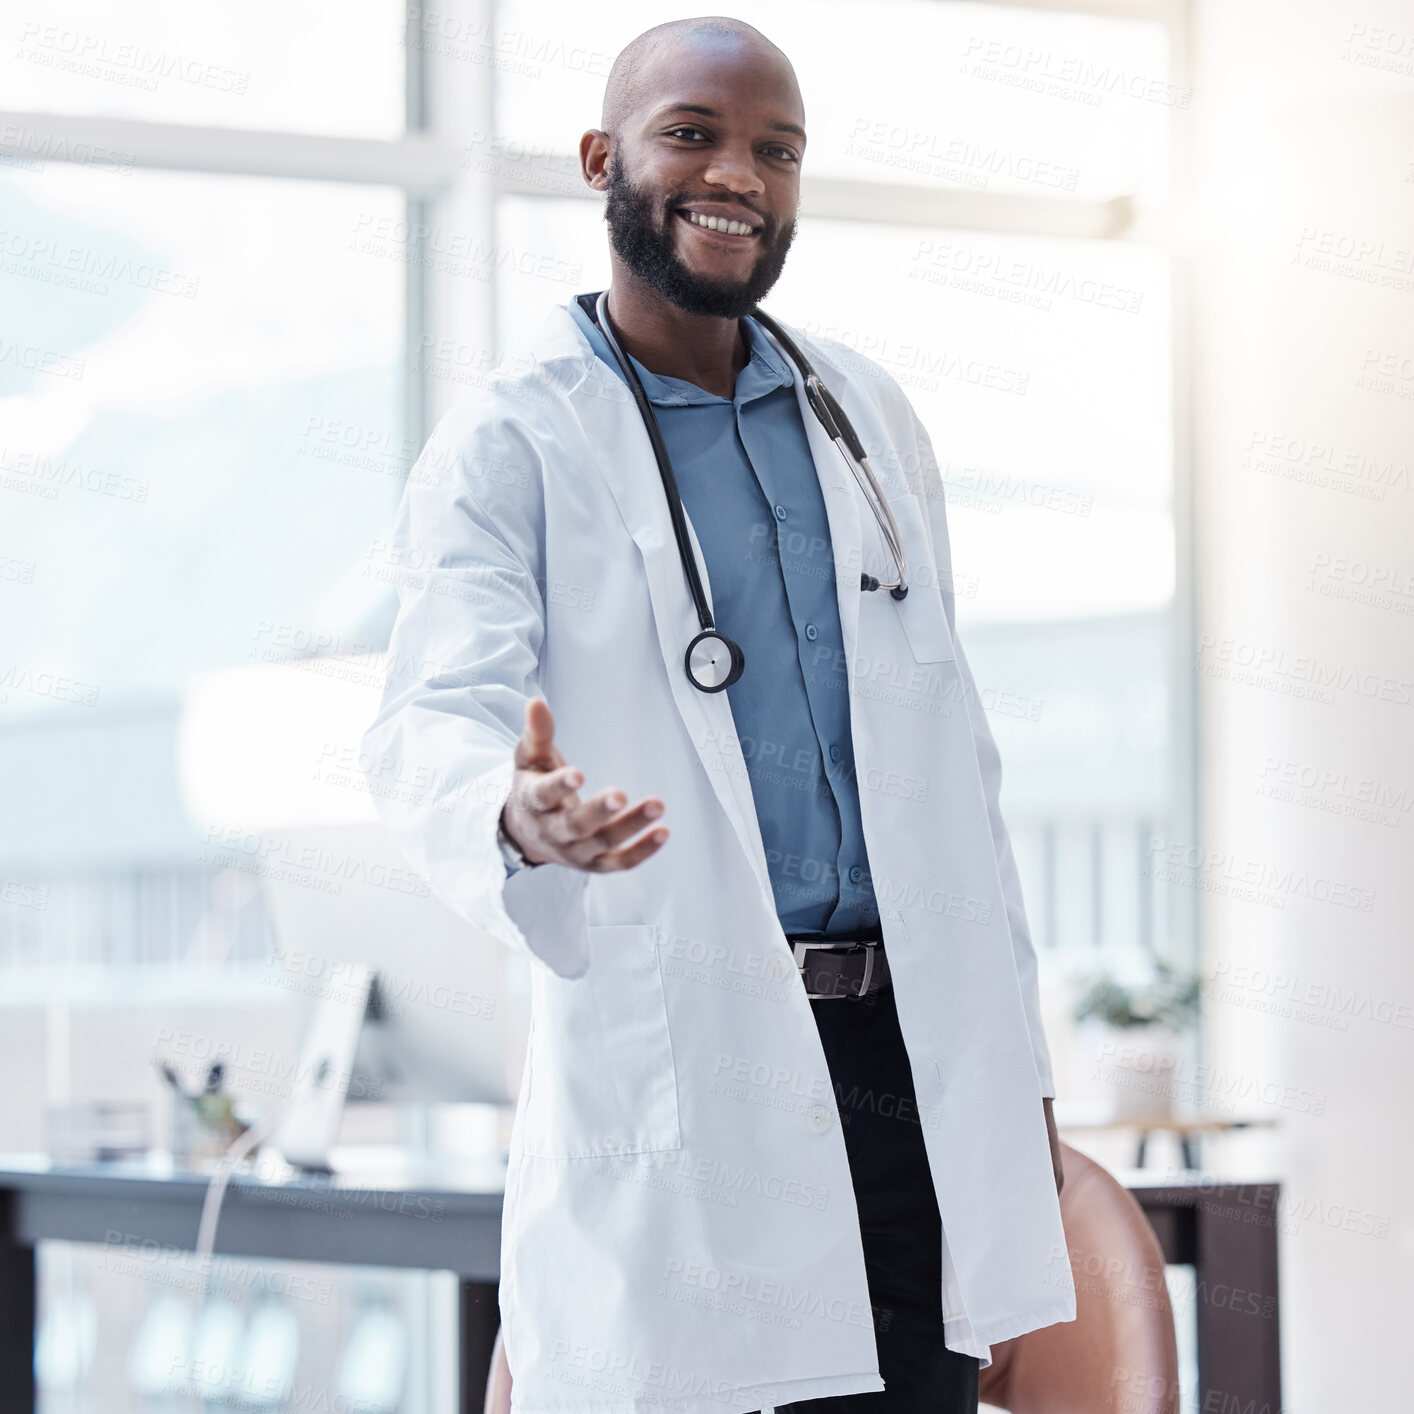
[1120, 1354]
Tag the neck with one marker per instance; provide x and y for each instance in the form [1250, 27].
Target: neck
[698, 348]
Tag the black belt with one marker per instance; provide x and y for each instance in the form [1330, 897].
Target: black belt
[840, 967]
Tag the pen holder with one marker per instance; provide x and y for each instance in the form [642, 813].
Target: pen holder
[203, 1128]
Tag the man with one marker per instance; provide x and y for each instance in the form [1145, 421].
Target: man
[743, 1173]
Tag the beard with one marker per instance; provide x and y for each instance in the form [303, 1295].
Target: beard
[645, 245]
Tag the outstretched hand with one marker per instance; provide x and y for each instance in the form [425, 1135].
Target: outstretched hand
[549, 822]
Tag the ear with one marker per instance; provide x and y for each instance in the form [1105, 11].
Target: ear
[594, 149]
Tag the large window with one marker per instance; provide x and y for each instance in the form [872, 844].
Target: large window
[178, 464]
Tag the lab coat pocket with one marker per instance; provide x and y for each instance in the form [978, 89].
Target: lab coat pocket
[921, 610]
[601, 1074]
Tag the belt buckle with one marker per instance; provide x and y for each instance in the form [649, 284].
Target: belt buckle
[868, 968]
[798, 949]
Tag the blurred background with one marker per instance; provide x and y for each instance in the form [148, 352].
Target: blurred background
[1145, 268]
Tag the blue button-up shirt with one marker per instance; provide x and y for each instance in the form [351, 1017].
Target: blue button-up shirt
[749, 486]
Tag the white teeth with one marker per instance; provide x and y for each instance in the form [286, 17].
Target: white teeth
[716, 223]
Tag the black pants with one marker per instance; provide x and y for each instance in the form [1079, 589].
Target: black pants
[898, 1216]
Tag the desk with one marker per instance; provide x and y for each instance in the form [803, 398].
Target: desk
[1187, 1129]
[1227, 1232]
[451, 1221]
[436, 1220]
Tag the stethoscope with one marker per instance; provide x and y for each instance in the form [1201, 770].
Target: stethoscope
[714, 661]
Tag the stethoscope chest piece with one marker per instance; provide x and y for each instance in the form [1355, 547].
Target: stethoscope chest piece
[713, 661]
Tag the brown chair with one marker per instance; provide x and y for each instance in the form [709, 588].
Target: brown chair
[1118, 1356]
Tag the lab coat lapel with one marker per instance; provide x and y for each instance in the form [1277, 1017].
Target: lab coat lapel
[624, 454]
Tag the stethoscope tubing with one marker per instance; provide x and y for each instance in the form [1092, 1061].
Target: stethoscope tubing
[838, 428]
[665, 465]
[841, 431]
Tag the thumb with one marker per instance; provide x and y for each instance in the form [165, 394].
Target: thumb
[536, 746]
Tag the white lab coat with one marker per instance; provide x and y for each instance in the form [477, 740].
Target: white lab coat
[680, 1229]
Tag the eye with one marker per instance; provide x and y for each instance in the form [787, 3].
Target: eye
[787, 153]
[673, 132]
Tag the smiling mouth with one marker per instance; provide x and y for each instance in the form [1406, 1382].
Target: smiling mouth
[731, 230]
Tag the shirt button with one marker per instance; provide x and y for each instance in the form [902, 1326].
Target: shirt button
[855, 873]
[835, 755]
[811, 632]
[780, 512]
[818, 1119]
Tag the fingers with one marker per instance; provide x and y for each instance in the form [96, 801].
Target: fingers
[597, 835]
[632, 855]
[619, 843]
[604, 819]
[554, 790]
[601, 836]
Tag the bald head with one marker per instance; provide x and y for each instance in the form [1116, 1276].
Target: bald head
[633, 80]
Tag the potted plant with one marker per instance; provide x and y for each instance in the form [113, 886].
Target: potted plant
[1135, 1030]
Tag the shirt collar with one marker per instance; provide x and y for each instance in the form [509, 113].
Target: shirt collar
[764, 370]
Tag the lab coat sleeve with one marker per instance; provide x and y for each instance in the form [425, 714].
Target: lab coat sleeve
[463, 660]
[921, 458]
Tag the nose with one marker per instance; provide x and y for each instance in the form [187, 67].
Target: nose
[734, 168]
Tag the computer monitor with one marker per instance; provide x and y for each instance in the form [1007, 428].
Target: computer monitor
[447, 1017]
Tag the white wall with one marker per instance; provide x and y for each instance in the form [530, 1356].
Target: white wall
[1306, 118]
